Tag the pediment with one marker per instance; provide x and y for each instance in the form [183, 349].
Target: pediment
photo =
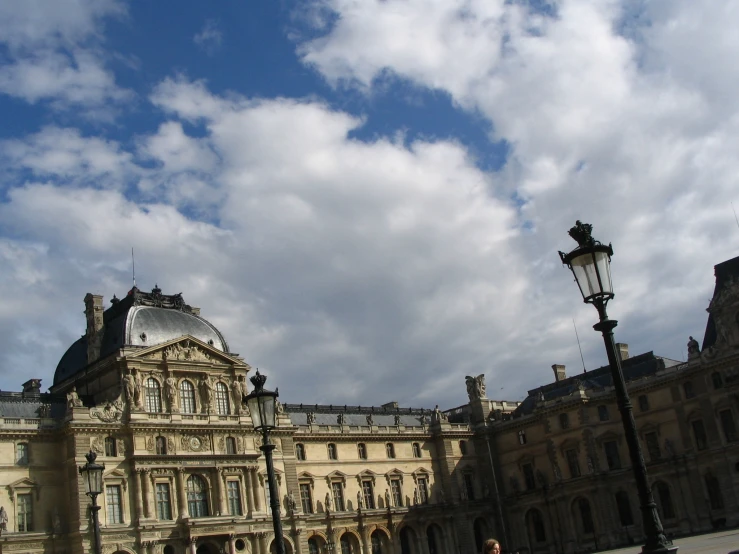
[421, 471]
[116, 473]
[394, 472]
[186, 349]
[336, 474]
[24, 483]
[608, 436]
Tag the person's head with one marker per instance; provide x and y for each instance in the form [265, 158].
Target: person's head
[491, 546]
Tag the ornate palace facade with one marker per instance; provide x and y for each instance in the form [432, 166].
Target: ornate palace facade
[154, 390]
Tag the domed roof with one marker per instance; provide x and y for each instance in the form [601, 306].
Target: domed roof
[143, 320]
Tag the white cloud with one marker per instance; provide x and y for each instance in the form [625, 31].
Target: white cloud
[53, 54]
[210, 38]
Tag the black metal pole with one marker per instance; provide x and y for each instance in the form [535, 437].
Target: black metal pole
[656, 542]
[95, 509]
[274, 500]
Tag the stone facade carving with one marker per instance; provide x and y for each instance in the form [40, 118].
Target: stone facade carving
[73, 400]
[186, 351]
[475, 386]
[170, 393]
[112, 411]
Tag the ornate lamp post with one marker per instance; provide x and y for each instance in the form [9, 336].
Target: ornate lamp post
[92, 475]
[590, 263]
[261, 404]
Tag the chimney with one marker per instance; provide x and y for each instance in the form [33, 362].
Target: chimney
[623, 350]
[32, 386]
[392, 405]
[559, 372]
[94, 316]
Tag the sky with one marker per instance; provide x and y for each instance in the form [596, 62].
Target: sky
[367, 197]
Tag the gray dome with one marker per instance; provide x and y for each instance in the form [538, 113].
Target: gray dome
[147, 326]
[141, 320]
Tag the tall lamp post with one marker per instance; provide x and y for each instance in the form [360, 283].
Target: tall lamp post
[590, 263]
[261, 404]
[92, 475]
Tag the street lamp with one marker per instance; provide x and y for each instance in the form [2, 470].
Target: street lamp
[92, 475]
[261, 404]
[590, 263]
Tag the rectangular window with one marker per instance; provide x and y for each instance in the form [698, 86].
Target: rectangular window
[469, 485]
[653, 446]
[416, 450]
[603, 413]
[528, 476]
[164, 502]
[643, 403]
[110, 449]
[397, 492]
[612, 458]
[564, 421]
[423, 490]
[727, 424]
[338, 491]
[305, 498]
[368, 495]
[25, 513]
[113, 504]
[234, 498]
[573, 463]
[21, 453]
[699, 432]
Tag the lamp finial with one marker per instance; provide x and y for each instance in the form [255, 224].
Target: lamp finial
[581, 232]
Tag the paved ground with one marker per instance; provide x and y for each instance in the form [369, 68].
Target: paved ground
[714, 543]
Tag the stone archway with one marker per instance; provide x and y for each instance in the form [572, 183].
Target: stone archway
[207, 548]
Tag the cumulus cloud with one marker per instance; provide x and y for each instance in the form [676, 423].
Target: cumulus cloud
[53, 54]
[613, 116]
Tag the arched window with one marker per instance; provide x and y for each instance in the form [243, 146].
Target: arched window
[463, 447]
[197, 496]
[332, 455]
[416, 450]
[536, 525]
[230, 445]
[153, 395]
[346, 545]
[300, 451]
[624, 508]
[187, 397]
[390, 450]
[110, 449]
[717, 380]
[586, 516]
[377, 543]
[664, 500]
[313, 546]
[222, 405]
[161, 445]
[362, 451]
[715, 498]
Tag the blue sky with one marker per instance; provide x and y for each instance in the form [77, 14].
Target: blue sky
[365, 193]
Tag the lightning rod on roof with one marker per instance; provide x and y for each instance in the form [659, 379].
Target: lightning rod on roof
[133, 267]
[578, 346]
[736, 218]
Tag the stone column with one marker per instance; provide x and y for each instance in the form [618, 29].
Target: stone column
[146, 489]
[181, 495]
[223, 508]
[262, 541]
[248, 490]
[296, 536]
[232, 543]
[255, 490]
[192, 545]
[139, 494]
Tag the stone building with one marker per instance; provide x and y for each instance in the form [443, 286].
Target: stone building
[561, 460]
[154, 390]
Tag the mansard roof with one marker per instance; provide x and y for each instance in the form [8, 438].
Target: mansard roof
[141, 320]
